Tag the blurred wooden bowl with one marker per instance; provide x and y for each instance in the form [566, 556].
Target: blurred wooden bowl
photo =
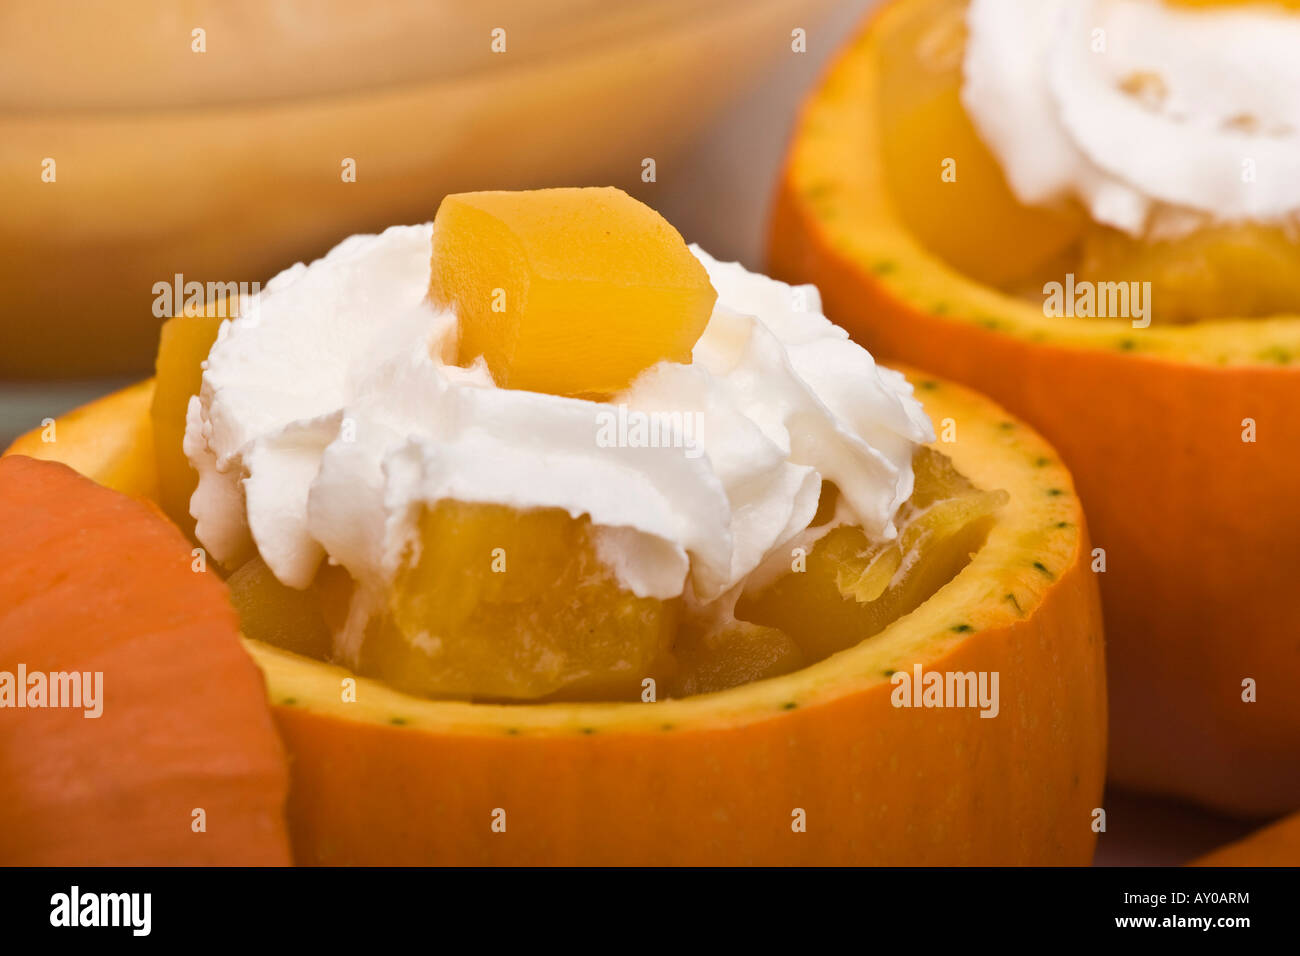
[227, 165]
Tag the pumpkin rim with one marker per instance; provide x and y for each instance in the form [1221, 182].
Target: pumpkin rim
[1037, 537]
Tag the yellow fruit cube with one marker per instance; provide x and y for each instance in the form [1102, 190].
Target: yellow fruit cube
[1237, 270]
[945, 184]
[567, 291]
[854, 587]
[729, 655]
[185, 342]
[277, 614]
[514, 605]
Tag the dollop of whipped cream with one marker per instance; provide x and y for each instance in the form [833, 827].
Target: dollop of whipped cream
[1159, 120]
[333, 412]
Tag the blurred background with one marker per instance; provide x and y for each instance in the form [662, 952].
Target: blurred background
[213, 139]
[223, 140]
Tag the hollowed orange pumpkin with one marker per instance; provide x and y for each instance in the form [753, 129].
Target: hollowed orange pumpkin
[1182, 438]
[816, 766]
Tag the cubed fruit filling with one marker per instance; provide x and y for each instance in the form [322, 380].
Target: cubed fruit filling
[184, 343]
[854, 587]
[496, 604]
[976, 224]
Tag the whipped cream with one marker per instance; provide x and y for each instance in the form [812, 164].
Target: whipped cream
[332, 413]
[1159, 120]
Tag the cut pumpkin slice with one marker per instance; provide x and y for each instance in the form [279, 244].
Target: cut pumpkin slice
[162, 749]
[1182, 438]
[816, 765]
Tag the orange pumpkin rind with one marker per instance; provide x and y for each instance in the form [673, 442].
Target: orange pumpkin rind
[1197, 524]
[726, 778]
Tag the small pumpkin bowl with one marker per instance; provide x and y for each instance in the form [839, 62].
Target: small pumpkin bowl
[816, 767]
[1182, 438]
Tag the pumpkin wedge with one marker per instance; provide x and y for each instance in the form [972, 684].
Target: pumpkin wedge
[817, 766]
[1182, 438]
[162, 749]
[1275, 845]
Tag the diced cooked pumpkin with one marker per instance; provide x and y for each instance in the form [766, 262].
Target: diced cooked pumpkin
[853, 588]
[497, 603]
[567, 291]
[184, 343]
